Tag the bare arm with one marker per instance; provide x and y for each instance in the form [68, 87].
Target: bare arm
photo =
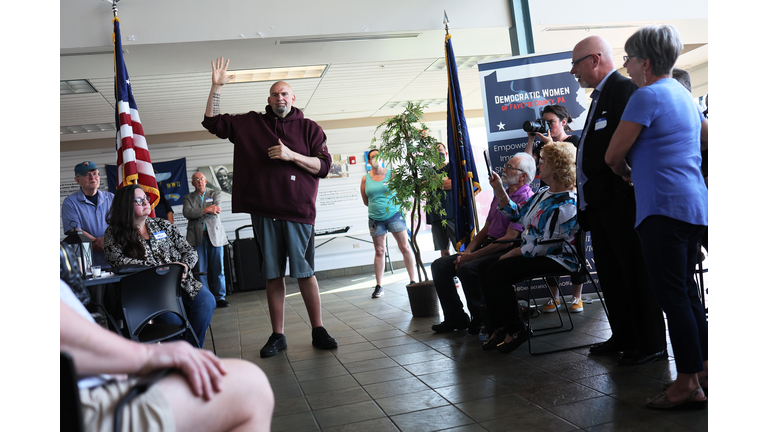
[621, 143]
[218, 79]
[96, 350]
[362, 192]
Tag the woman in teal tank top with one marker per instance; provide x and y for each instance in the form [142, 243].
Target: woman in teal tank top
[383, 217]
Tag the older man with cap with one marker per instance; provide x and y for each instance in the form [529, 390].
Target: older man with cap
[87, 209]
[206, 234]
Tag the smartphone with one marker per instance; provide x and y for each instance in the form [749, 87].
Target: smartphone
[487, 162]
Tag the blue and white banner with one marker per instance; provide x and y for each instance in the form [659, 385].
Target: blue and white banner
[171, 178]
[516, 90]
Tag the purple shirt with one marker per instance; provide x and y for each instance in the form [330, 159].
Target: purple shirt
[497, 222]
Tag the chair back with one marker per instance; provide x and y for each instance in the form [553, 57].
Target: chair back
[71, 415]
[149, 293]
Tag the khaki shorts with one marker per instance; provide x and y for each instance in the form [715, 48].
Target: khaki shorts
[148, 412]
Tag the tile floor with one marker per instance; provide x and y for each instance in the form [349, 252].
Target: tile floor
[391, 372]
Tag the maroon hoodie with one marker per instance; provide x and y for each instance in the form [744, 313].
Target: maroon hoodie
[272, 187]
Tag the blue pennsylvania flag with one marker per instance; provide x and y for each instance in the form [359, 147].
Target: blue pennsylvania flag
[463, 173]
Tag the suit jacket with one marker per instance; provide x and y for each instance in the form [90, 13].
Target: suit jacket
[602, 183]
[193, 211]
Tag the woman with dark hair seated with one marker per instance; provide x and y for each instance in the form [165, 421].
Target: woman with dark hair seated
[134, 238]
[548, 215]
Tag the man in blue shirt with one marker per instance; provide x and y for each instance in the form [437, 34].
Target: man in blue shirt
[87, 209]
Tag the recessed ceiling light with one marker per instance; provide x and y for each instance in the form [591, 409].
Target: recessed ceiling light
[78, 129]
[276, 74]
[75, 87]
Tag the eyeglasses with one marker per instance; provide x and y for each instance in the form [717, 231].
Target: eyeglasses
[141, 201]
[627, 57]
[575, 62]
[510, 167]
[90, 175]
[197, 180]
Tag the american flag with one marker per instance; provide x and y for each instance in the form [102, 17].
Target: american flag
[133, 162]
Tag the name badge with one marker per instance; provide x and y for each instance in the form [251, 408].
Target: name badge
[293, 178]
[209, 200]
[601, 123]
[160, 235]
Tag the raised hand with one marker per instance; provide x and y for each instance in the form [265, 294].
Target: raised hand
[219, 76]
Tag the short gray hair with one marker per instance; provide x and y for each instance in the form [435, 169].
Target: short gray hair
[527, 165]
[661, 44]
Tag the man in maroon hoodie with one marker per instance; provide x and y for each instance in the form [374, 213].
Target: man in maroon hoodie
[279, 158]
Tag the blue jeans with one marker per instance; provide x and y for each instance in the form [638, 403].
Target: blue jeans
[211, 259]
[199, 312]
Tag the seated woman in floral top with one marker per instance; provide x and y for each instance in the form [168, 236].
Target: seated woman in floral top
[134, 238]
[548, 214]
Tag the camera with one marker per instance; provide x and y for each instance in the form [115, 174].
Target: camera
[539, 125]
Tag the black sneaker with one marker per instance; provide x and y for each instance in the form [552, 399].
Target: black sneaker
[377, 292]
[449, 326]
[276, 342]
[322, 340]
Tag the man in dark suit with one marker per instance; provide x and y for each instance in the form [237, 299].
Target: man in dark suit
[607, 210]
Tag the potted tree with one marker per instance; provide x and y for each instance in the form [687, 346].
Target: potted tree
[412, 155]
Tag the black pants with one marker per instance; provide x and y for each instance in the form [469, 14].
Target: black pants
[671, 249]
[443, 271]
[499, 288]
[636, 319]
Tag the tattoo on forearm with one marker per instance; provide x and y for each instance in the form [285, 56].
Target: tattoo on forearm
[216, 104]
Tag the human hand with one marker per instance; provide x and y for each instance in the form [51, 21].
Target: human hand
[212, 209]
[186, 269]
[495, 181]
[545, 139]
[280, 151]
[219, 76]
[202, 369]
[98, 244]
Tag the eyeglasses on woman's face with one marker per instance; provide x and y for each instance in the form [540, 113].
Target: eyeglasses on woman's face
[141, 201]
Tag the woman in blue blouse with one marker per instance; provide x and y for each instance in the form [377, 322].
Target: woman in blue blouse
[548, 214]
[657, 148]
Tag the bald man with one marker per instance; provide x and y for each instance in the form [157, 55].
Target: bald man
[279, 159]
[607, 210]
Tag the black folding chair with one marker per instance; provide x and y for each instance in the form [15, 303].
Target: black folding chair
[555, 274]
[146, 295]
[70, 411]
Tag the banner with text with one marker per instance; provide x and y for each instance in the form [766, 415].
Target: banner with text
[516, 90]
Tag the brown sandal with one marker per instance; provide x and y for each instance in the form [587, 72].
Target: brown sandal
[661, 402]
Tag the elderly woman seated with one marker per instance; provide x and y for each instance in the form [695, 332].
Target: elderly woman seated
[550, 214]
[135, 238]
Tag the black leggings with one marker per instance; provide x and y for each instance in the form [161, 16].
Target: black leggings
[499, 289]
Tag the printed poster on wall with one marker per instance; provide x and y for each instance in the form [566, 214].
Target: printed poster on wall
[516, 90]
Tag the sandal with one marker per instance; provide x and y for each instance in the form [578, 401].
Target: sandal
[661, 402]
[703, 383]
